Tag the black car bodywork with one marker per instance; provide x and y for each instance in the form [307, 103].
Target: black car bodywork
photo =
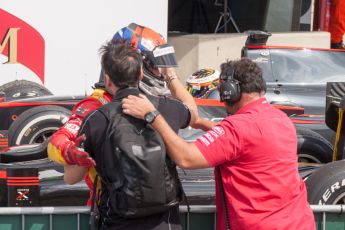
[298, 76]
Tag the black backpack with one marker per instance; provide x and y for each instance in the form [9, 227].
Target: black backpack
[139, 178]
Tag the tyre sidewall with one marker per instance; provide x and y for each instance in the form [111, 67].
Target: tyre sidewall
[313, 144]
[326, 184]
[35, 121]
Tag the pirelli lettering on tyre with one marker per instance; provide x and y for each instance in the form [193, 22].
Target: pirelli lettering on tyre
[330, 190]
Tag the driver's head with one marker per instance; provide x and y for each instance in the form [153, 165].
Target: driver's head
[202, 82]
[155, 50]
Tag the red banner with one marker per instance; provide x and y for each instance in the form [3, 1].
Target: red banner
[29, 47]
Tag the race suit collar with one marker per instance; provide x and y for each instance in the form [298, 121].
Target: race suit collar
[124, 92]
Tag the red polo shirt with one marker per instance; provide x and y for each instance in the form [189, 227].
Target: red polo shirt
[256, 148]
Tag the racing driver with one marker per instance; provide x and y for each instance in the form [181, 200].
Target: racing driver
[63, 146]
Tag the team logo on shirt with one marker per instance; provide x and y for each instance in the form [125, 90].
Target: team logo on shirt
[212, 135]
[81, 110]
[219, 130]
[73, 126]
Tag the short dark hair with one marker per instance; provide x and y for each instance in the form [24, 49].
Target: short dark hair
[247, 72]
[121, 62]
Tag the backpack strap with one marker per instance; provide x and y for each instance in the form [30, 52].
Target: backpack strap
[93, 201]
[226, 215]
[94, 212]
[104, 180]
[107, 114]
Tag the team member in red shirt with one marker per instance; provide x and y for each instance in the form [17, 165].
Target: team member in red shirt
[254, 148]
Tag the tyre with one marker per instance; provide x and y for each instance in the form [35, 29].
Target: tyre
[37, 124]
[21, 89]
[327, 184]
[312, 147]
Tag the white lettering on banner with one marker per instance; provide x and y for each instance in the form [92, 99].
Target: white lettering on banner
[205, 141]
[333, 188]
[163, 51]
[10, 39]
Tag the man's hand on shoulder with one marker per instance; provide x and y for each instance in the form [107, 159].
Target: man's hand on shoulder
[74, 155]
[137, 106]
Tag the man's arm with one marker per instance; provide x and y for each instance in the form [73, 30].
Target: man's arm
[203, 124]
[74, 173]
[178, 91]
[64, 138]
[186, 155]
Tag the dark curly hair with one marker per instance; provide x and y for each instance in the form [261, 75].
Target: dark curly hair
[247, 72]
[121, 62]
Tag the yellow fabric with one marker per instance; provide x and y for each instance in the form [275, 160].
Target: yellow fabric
[337, 137]
[92, 175]
[99, 95]
[55, 154]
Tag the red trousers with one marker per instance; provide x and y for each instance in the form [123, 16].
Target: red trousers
[337, 22]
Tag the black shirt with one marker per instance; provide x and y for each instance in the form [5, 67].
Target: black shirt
[94, 127]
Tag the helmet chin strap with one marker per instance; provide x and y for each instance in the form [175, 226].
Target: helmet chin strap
[153, 85]
[152, 90]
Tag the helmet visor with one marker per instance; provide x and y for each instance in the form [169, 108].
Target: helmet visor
[164, 56]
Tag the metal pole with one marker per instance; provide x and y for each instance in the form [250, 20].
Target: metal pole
[78, 219]
[23, 222]
[225, 15]
[183, 209]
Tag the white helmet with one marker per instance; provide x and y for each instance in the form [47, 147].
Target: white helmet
[202, 82]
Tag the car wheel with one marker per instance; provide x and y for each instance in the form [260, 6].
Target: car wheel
[21, 89]
[37, 124]
[312, 147]
[327, 184]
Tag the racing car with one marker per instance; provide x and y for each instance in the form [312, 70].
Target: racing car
[34, 118]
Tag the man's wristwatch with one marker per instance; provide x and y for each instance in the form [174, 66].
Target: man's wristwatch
[151, 116]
